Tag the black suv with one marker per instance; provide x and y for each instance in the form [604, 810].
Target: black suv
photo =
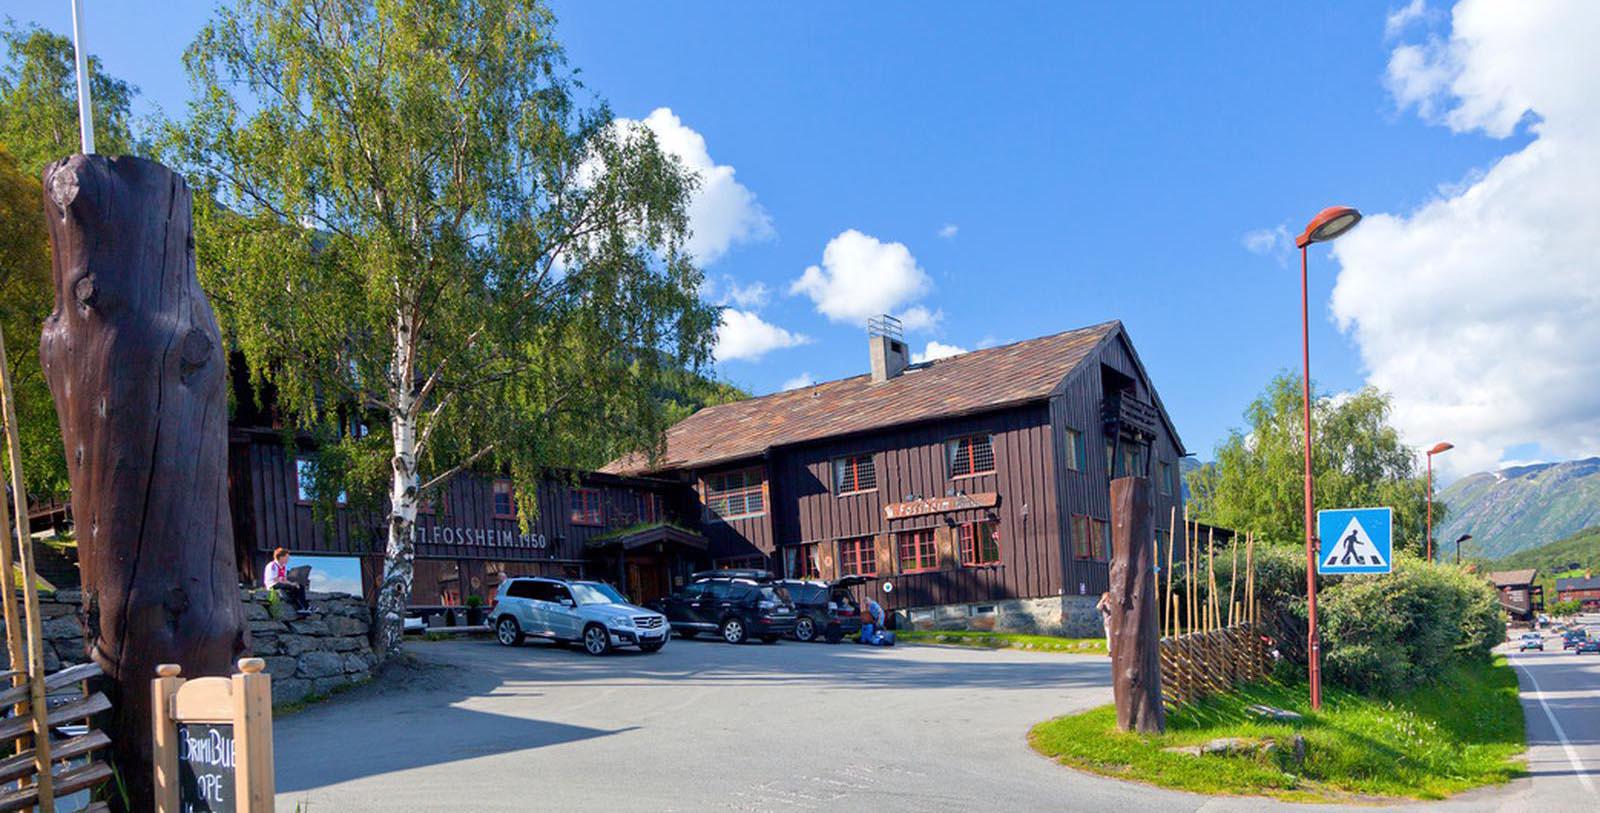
[737, 604]
[824, 609]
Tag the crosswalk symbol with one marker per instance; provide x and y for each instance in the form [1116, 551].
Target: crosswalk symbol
[1355, 540]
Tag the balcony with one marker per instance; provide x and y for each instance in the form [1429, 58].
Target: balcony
[1130, 416]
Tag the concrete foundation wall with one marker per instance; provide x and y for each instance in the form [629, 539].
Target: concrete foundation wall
[1069, 616]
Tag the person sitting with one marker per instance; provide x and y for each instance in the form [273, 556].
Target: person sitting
[277, 578]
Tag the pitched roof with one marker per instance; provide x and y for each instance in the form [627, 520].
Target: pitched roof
[972, 382]
[1512, 578]
[1590, 583]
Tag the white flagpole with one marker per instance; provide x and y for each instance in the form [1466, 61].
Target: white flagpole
[85, 108]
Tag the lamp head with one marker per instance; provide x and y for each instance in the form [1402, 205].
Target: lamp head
[1441, 447]
[1328, 224]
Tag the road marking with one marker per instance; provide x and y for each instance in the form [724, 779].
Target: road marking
[1566, 744]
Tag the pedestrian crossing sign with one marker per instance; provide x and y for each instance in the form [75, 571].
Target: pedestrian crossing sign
[1355, 540]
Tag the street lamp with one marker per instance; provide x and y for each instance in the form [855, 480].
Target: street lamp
[1327, 225]
[1459, 540]
[1438, 448]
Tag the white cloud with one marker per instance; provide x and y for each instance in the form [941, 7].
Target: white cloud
[1273, 242]
[801, 380]
[862, 276]
[749, 296]
[722, 212]
[744, 336]
[936, 350]
[1480, 310]
[948, 230]
[1401, 17]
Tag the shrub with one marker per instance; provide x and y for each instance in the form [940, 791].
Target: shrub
[1384, 633]
[1562, 609]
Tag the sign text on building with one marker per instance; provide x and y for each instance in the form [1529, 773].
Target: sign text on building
[939, 505]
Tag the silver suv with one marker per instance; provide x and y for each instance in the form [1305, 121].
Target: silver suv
[593, 613]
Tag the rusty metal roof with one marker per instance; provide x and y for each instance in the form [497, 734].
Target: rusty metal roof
[972, 382]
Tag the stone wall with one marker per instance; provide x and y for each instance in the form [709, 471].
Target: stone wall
[1069, 616]
[311, 654]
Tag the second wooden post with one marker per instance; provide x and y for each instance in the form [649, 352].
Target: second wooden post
[1135, 630]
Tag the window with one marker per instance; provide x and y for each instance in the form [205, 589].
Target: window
[1091, 538]
[1166, 478]
[505, 500]
[736, 494]
[585, 505]
[980, 543]
[1132, 459]
[917, 550]
[858, 557]
[1075, 453]
[522, 588]
[970, 455]
[305, 478]
[854, 474]
[650, 508]
[802, 562]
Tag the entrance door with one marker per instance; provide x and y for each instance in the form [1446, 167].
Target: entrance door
[646, 581]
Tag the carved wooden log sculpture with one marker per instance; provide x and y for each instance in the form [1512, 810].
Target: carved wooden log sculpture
[134, 360]
[1135, 624]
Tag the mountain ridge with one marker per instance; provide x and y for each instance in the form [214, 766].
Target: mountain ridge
[1520, 507]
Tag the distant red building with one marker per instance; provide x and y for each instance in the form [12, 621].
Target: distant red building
[1585, 590]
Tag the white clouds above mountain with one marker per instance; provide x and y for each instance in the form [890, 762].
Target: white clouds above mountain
[1479, 311]
[745, 336]
[861, 276]
[723, 212]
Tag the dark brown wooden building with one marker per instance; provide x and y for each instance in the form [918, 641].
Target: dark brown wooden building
[972, 487]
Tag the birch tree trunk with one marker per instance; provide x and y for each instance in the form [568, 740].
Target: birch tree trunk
[395, 593]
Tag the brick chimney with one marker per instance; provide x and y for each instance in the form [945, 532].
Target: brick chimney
[887, 347]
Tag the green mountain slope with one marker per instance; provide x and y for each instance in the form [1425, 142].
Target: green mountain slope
[1573, 556]
[1520, 508]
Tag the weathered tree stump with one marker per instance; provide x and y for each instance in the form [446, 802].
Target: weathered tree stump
[1135, 623]
[135, 363]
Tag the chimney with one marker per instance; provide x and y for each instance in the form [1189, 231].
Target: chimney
[887, 346]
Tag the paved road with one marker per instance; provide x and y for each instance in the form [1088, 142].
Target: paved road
[1561, 701]
[707, 726]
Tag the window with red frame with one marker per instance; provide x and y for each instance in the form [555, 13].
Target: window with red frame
[736, 494]
[650, 508]
[1091, 538]
[801, 561]
[970, 455]
[917, 550]
[858, 557]
[505, 500]
[585, 504]
[854, 474]
[980, 543]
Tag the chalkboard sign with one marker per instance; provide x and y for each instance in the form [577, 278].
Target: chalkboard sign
[205, 768]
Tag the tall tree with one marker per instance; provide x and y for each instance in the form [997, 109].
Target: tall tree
[38, 124]
[425, 224]
[1256, 481]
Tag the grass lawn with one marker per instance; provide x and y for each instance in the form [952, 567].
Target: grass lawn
[1003, 640]
[1463, 731]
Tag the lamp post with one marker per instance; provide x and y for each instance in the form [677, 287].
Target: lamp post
[1327, 225]
[1459, 540]
[1438, 448]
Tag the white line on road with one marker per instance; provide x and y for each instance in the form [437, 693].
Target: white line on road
[1566, 744]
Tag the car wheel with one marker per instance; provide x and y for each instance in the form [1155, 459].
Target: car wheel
[804, 630]
[733, 631]
[508, 632]
[596, 641]
[653, 647]
[687, 633]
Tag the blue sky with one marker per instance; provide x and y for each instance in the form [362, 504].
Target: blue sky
[1045, 166]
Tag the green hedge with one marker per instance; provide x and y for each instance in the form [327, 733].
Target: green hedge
[1385, 633]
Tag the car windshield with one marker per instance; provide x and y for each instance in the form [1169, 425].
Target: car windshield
[597, 593]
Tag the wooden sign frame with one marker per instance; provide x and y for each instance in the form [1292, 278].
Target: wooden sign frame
[243, 701]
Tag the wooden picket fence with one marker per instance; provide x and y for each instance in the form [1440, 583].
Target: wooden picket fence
[1200, 664]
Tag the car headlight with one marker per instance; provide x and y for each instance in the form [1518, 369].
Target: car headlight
[623, 622]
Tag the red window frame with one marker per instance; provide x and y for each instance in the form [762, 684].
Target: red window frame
[967, 449]
[916, 550]
[747, 498]
[502, 488]
[855, 474]
[1091, 538]
[971, 552]
[858, 557]
[585, 506]
[806, 561]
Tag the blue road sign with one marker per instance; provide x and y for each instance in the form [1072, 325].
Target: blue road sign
[1355, 540]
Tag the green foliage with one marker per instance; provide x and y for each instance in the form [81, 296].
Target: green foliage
[1563, 609]
[39, 101]
[1425, 742]
[1257, 480]
[1382, 633]
[1003, 640]
[1280, 576]
[474, 601]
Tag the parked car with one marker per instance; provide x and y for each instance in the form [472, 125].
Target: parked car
[591, 613]
[1530, 642]
[819, 604]
[737, 604]
[1587, 645]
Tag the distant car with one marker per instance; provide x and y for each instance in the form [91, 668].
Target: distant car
[819, 605]
[1528, 643]
[1571, 639]
[737, 605]
[592, 613]
[1587, 645]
